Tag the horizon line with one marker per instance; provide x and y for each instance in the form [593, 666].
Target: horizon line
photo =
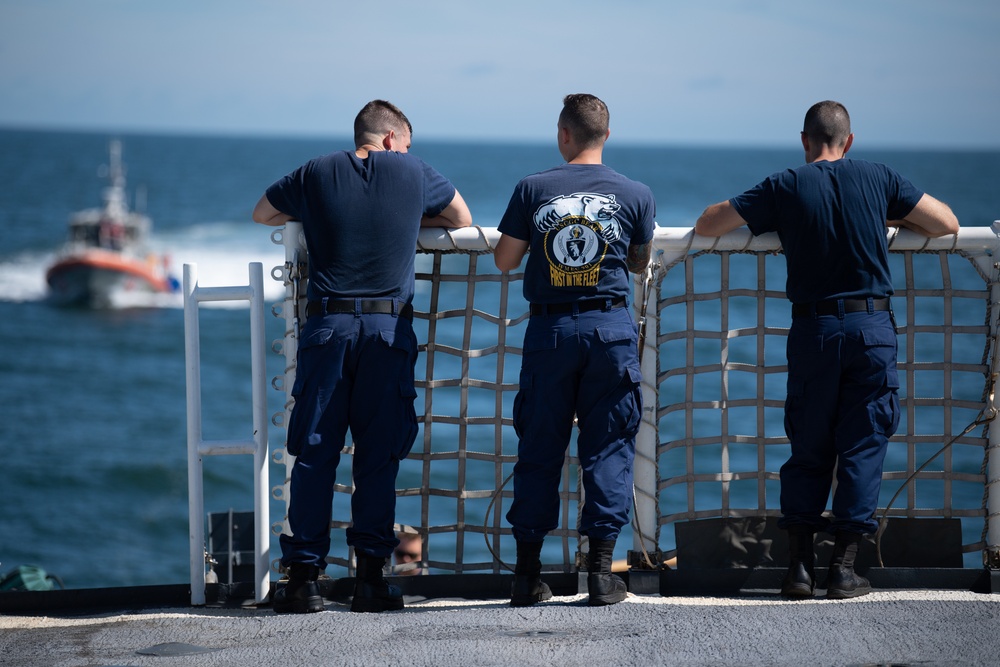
[492, 141]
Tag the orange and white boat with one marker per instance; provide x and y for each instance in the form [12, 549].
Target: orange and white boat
[105, 258]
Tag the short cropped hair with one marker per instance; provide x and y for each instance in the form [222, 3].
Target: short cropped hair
[377, 119]
[586, 117]
[827, 122]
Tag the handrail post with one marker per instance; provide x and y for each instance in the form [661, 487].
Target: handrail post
[258, 371]
[196, 514]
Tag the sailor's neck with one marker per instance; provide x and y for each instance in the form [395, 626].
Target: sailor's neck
[363, 150]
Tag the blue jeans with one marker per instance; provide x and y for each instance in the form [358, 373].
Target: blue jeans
[842, 408]
[354, 372]
[584, 364]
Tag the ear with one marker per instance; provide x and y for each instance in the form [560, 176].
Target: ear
[388, 140]
[805, 141]
[847, 144]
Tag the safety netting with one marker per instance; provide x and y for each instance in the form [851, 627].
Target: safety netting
[715, 319]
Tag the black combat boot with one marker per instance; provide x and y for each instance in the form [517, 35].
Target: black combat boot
[372, 593]
[528, 586]
[605, 588]
[800, 582]
[301, 594]
[842, 582]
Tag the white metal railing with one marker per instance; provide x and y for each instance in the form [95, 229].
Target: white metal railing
[468, 358]
[198, 447]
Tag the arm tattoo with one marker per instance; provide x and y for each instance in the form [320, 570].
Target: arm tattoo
[638, 257]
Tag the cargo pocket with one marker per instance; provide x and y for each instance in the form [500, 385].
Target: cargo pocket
[793, 404]
[408, 419]
[521, 400]
[881, 351]
[310, 390]
[625, 417]
[884, 413]
[802, 350]
[402, 351]
[540, 340]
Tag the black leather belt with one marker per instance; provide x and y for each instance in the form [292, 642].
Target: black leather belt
[367, 307]
[579, 306]
[832, 307]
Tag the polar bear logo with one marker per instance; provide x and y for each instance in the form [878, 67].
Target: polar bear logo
[590, 205]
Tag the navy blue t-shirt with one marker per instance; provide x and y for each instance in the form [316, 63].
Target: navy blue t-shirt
[831, 220]
[579, 220]
[361, 218]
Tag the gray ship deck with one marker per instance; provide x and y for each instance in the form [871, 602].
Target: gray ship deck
[719, 618]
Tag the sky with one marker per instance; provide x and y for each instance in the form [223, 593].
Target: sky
[912, 73]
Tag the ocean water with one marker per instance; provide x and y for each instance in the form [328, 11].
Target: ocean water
[92, 434]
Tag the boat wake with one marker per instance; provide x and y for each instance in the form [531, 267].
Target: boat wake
[221, 250]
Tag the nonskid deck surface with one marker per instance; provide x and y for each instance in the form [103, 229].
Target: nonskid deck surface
[926, 627]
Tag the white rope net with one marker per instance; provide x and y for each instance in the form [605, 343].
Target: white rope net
[723, 321]
[712, 440]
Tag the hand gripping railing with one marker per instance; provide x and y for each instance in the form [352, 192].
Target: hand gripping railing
[198, 447]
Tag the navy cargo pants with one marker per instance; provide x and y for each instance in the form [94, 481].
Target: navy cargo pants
[355, 371]
[842, 408]
[582, 363]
